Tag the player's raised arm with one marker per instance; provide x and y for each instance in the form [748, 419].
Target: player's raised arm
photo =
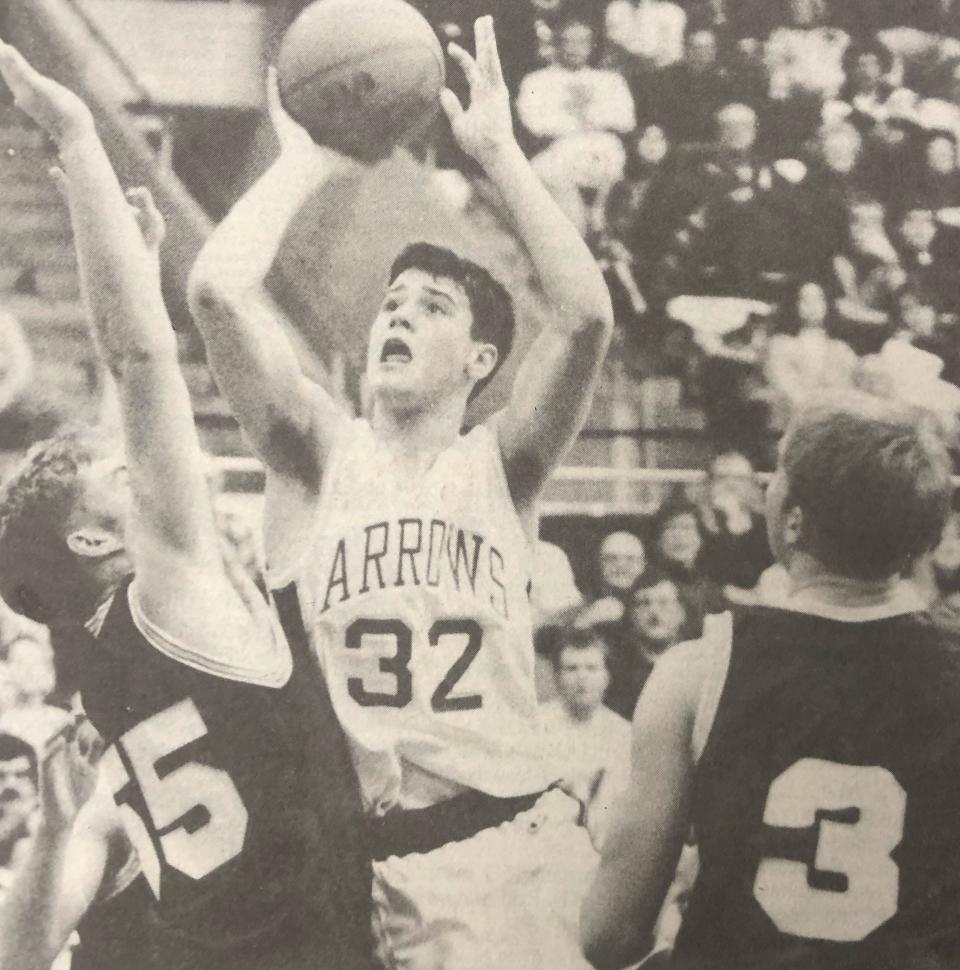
[117, 238]
[650, 820]
[289, 420]
[553, 390]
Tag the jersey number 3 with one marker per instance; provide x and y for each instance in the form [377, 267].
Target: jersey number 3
[853, 884]
[195, 811]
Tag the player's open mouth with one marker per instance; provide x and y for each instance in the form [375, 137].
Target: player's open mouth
[395, 351]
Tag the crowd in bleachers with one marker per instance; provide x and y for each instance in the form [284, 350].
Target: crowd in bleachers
[772, 188]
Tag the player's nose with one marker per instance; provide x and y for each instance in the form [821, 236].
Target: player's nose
[400, 322]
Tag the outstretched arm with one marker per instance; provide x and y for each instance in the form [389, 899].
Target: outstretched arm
[117, 239]
[289, 420]
[555, 385]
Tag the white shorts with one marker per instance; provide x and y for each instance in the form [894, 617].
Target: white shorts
[506, 899]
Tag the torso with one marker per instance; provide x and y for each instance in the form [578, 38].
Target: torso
[416, 596]
[827, 798]
[225, 790]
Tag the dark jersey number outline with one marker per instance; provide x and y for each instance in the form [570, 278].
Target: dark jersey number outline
[397, 665]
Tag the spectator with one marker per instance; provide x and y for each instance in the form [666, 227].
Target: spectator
[867, 94]
[636, 224]
[803, 360]
[656, 619]
[622, 558]
[576, 111]
[18, 800]
[679, 541]
[939, 176]
[686, 96]
[736, 550]
[644, 35]
[928, 267]
[805, 57]
[591, 742]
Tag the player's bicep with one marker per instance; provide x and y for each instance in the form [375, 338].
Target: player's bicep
[288, 419]
[549, 404]
[167, 468]
[650, 819]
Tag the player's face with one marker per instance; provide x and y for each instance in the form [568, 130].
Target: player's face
[582, 677]
[420, 346]
[18, 797]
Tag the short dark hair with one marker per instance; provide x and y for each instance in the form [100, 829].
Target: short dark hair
[580, 638]
[872, 479]
[13, 747]
[673, 508]
[490, 303]
[39, 576]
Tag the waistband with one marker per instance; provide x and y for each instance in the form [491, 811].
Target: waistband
[406, 831]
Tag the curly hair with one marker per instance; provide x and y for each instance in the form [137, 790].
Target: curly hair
[39, 576]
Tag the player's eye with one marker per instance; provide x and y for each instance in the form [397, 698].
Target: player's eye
[434, 307]
[390, 305]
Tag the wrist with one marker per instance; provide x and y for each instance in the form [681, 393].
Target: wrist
[501, 157]
[77, 138]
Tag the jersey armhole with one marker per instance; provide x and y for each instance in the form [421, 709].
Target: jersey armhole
[717, 641]
[275, 673]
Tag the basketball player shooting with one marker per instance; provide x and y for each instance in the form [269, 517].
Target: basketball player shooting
[408, 543]
[223, 757]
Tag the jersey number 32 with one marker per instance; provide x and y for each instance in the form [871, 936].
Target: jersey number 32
[852, 887]
[196, 815]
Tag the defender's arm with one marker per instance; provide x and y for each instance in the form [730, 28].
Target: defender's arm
[555, 385]
[117, 248]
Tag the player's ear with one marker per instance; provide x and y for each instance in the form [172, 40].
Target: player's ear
[483, 361]
[92, 542]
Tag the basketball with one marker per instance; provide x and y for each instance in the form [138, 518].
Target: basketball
[361, 76]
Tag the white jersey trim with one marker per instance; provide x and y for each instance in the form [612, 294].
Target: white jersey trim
[264, 676]
[717, 642]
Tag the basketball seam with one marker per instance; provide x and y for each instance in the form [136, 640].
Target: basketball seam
[293, 88]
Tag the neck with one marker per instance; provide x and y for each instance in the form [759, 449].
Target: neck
[422, 431]
[808, 574]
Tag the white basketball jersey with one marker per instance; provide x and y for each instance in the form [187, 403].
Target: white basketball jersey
[416, 596]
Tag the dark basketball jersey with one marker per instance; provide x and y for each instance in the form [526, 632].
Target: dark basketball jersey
[115, 932]
[827, 800]
[242, 802]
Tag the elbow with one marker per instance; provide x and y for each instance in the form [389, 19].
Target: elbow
[208, 297]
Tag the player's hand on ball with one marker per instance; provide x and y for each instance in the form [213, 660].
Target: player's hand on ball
[68, 773]
[292, 137]
[53, 107]
[485, 127]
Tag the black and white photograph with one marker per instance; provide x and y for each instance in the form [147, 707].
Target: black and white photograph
[479, 484]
